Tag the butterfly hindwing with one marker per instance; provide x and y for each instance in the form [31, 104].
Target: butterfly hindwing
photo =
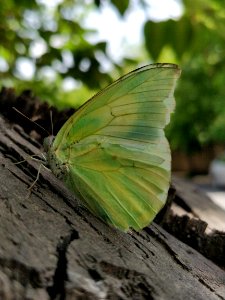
[115, 150]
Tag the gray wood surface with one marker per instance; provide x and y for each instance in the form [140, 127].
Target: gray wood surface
[200, 204]
[52, 248]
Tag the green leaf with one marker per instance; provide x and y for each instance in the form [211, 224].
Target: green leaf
[155, 38]
[122, 6]
[177, 34]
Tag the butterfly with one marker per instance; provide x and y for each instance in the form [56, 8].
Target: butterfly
[112, 153]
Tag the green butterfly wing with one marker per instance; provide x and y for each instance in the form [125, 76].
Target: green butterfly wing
[113, 153]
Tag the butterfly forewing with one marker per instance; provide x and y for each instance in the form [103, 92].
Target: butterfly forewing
[115, 150]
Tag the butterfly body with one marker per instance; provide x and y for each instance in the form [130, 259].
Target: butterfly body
[113, 153]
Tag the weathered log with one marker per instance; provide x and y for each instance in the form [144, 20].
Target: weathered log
[52, 248]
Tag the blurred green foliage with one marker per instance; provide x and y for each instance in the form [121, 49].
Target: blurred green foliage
[196, 42]
[58, 29]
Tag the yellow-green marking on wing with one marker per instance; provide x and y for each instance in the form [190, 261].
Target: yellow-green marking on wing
[113, 153]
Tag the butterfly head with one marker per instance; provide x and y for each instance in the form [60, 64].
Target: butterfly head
[48, 141]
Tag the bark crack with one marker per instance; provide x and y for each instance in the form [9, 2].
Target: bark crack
[57, 290]
[168, 248]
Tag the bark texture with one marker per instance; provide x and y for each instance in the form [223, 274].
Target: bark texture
[52, 248]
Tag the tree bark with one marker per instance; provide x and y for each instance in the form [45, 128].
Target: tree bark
[52, 248]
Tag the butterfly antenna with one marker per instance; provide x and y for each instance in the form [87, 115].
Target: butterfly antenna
[33, 157]
[51, 121]
[19, 112]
